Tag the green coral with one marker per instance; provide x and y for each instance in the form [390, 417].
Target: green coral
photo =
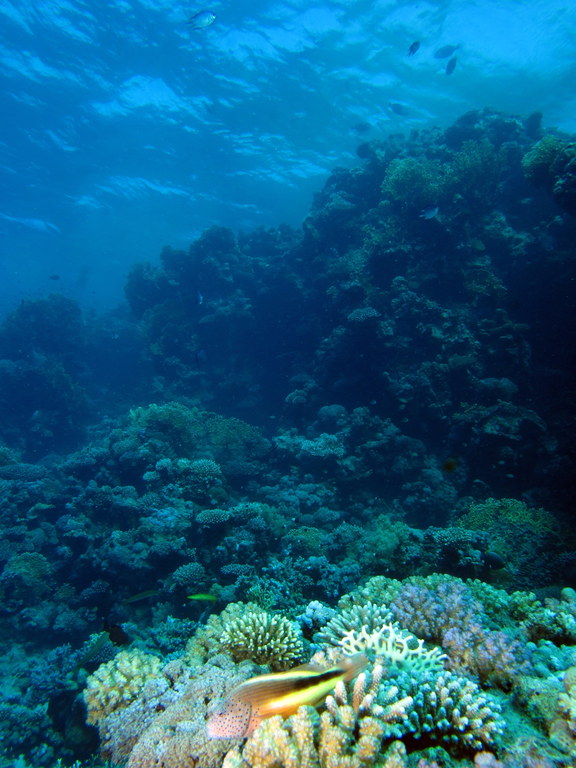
[538, 163]
[471, 173]
[192, 433]
[484, 515]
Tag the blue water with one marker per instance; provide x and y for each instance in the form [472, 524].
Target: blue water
[123, 130]
[286, 303]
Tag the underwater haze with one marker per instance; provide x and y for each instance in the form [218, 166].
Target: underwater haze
[125, 129]
[287, 384]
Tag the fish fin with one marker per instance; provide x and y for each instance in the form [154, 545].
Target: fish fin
[353, 665]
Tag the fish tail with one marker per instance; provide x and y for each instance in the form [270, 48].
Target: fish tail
[353, 665]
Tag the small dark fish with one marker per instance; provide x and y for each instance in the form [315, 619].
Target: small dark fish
[451, 66]
[362, 127]
[54, 277]
[414, 47]
[398, 108]
[201, 20]
[450, 465]
[445, 51]
[493, 560]
[430, 212]
[116, 634]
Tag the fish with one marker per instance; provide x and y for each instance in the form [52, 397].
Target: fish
[430, 212]
[53, 277]
[398, 108]
[450, 465]
[140, 596]
[116, 633]
[202, 596]
[201, 20]
[38, 224]
[445, 51]
[451, 66]
[414, 47]
[362, 127]
[281, 693]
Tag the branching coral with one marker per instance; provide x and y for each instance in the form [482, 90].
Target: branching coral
[368, 616]
[350, 733]
[396, 648]
[453, 710]
[245, 631]
[264, 638]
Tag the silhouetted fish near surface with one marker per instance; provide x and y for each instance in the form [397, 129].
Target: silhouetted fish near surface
[278, 694]
[53, 277]
[362, 127]
[414, 47]
[201, 20]
[451, 66]
[445, 51]
[398, 108]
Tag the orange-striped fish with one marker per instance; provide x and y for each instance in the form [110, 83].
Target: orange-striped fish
[278, 694]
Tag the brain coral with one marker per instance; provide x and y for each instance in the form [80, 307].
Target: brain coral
[118, 682]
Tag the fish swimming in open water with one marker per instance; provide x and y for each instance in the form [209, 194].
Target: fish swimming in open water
[446, 51]
[278, 694]
[451, 66]
[414, 47]
[201, 20]
[430, 212]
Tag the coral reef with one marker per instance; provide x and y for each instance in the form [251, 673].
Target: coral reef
[262, 638]
[354, 436]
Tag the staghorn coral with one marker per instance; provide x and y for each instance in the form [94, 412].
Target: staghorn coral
[264, 638]
[118, 682]
[350, 733]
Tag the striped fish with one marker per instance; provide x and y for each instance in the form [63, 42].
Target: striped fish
[278, 694]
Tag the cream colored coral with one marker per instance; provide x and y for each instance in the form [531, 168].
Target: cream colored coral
[348, 734]
[263, 638]
[397, 647]
[118, 682]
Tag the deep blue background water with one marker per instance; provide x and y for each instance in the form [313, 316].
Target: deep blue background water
[123, 130]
